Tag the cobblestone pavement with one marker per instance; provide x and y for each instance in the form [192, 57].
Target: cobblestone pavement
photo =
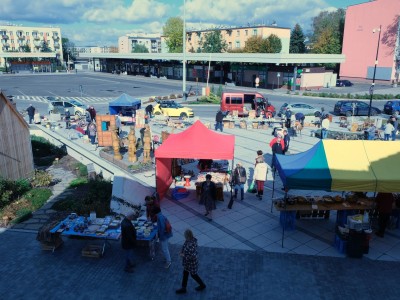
[30, 273]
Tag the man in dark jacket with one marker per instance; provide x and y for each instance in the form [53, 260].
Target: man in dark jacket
[218, 120]
[239, 179]
[31, 113]
[128, 241]
[286, 140]
[288, 115]
[149, 110]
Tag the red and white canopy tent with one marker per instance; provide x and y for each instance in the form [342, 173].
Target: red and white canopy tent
[195, 142]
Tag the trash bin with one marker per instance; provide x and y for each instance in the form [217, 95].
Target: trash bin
[367, 238]
[355, 244]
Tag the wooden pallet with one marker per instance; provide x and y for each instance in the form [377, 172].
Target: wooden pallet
[93, 250]
[51, 246]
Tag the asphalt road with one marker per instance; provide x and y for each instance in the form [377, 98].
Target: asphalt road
[100, 85]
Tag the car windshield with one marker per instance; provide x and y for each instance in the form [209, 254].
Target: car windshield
[76, 103]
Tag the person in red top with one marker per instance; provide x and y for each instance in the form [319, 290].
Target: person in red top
[384, 205]
[278, 146]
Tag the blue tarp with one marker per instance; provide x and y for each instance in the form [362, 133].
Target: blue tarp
[124, 103]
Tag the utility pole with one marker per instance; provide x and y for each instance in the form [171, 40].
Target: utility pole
[184, 52]
[371, 89]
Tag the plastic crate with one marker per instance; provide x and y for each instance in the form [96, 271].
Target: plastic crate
[179, 193]
[356, 225]
[340, 244]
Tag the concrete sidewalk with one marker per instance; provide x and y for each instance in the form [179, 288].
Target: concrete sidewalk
[241, 250]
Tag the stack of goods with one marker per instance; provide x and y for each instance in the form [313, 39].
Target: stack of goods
[217, 178]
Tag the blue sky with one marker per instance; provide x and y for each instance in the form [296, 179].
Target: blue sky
[101, 22]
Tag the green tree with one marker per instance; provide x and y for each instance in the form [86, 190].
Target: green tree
[68, 49]
[26, 48]
[140, 49]
[272, 44]
[327, 43]
[173, 32]
[254, 44]
[328, 28]
[297, 40]
[213, 42]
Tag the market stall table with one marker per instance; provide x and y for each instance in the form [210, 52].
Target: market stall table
[107, 228]
[219, 178]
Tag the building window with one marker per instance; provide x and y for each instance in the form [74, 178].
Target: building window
[27, 33]
[246, 32]
[237, 44]
[254, 32]
[237, 32]
[12, 41]
[41, 34]
[230, 45]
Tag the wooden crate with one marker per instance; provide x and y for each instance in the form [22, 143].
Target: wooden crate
[93, 250]
[51, 246]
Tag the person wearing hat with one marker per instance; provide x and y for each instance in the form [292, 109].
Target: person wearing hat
[288, 115]
[128, 241]
[239, 179]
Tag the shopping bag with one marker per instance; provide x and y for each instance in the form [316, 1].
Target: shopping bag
[252, 187]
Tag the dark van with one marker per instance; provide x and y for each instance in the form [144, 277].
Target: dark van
[244, 102]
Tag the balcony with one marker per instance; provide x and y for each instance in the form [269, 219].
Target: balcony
[56, 37]
[5, 37]
[56, 45]
[37, 43]
[5, 44]
[36, 37]
[21, 37]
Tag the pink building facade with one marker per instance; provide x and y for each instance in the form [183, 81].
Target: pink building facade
[360, 42]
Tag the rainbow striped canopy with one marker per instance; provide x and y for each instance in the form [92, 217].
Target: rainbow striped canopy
[331, 165]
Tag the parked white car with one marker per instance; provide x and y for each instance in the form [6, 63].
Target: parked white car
[74, 107]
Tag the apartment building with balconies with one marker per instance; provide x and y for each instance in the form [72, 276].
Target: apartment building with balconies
[236, 37]
[15, 38]
[128, 42]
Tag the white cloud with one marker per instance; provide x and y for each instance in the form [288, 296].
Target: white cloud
[138, 11]
[241, 12]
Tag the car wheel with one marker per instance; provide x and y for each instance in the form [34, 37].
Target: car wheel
[317, 114]
[348, 113]
[157, 113]
[183, 116]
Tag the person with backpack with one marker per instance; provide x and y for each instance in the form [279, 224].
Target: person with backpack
[164, 233]
[128, 241]
[239, 178]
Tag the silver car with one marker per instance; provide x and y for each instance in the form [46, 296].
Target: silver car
[303, 108]
[74, 107]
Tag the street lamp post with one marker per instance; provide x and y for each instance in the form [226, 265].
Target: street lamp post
[184, 52]
[371, 90]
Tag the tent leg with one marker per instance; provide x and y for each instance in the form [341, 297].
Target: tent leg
[284, 219]
[230, 204]
[273, 189]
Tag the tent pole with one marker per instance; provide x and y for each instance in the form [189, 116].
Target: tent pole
[230, 204]
[273, 189]
[284, 217]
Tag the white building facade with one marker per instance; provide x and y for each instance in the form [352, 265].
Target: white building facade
[15, 39]
[127, 43]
